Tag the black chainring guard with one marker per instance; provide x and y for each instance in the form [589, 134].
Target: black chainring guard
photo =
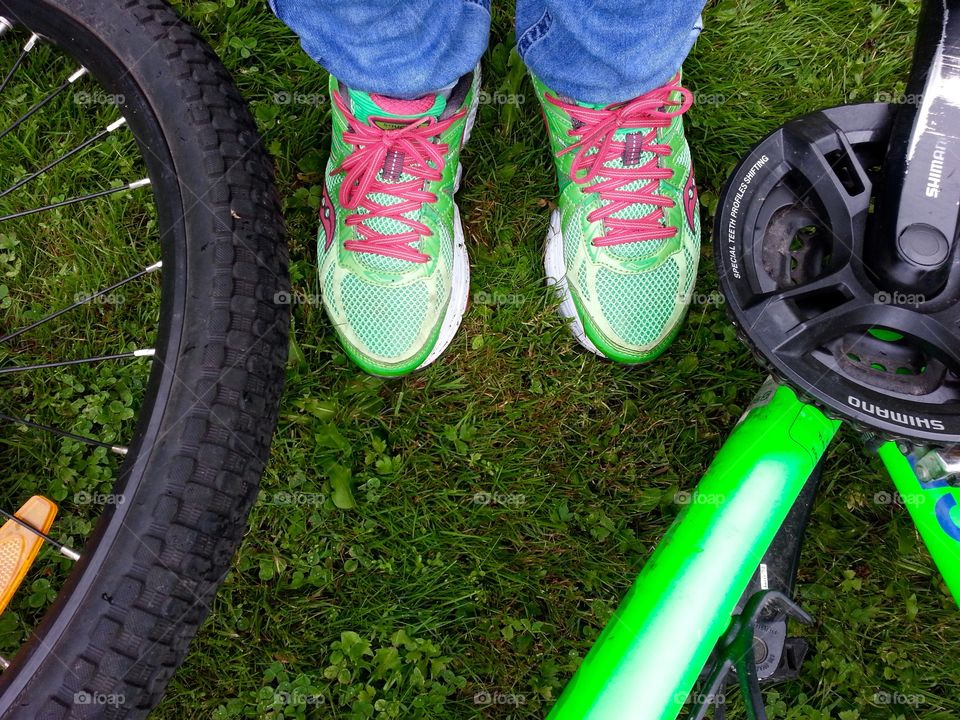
[789, 243]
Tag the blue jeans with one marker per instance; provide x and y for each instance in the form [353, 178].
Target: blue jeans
[600, 52]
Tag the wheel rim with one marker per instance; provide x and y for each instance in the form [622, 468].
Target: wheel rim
[102, 81]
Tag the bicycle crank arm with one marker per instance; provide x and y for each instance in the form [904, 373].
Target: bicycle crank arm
[933, 507]
[648, 658]
[913, 247]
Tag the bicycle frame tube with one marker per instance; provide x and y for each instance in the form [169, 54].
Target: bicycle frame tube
[649, 656]
[931, 505]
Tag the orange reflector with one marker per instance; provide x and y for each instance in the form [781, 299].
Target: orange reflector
[19, 546]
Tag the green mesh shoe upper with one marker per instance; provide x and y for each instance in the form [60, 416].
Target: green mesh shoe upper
[628, 217]
[387, 224]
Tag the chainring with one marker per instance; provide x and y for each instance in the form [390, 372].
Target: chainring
[790, 236]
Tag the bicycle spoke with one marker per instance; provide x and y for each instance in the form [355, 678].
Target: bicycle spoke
[118, 449]
[82, 146]
[6, 25]
[78, 303]
[42, 103]
[75, 277]
[72, 201]
[148, 352]
[33, 110]
[61, 548]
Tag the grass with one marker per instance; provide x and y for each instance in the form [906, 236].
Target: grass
[470, 529]
[48, 261]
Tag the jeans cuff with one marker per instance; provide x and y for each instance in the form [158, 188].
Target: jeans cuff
[534, 33]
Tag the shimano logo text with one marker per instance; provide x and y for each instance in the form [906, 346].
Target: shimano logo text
[901, 418]
[936, 169]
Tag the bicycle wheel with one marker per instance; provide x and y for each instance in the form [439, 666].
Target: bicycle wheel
[142, 343]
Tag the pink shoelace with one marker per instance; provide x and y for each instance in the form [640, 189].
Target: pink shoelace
[596, 147]
[372, 145]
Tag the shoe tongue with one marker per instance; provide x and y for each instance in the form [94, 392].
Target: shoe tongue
[591, 106]
[632, 148]
[633, 155]
[390, 113]
[631, 136]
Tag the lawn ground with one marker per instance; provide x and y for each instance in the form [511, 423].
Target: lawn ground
[372, 583]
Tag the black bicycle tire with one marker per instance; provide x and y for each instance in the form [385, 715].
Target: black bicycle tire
[153, 564]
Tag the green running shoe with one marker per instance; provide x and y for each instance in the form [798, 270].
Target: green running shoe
[394, 272]
[624, 243]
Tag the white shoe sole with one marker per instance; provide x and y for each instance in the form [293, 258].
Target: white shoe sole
[460, 279]
[459, 292]
[556, 273]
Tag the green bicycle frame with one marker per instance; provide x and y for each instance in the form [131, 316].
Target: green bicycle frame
[648, 658]
[933, 509]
